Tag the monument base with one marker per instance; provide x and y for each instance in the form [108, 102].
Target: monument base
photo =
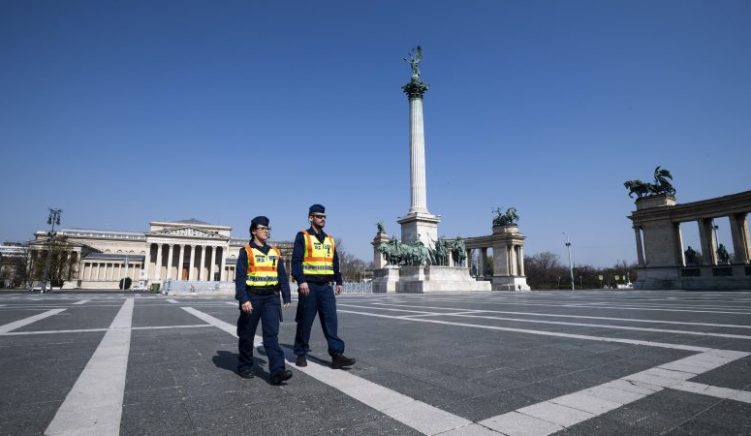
[385, 279]
[433, 278]
[420, 226]
[510, 283]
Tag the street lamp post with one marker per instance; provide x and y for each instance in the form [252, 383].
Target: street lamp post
[52, 219]
[570, 263]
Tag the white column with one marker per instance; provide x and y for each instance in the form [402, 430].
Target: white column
[639, 248]
[158, 261]
[179, 273]
[146, 262]
[192, 261]
[223, 263]
[739, 234]
[203, 262]
[96, 277]
[418, 187]
[119, 271]
[169, 261]
[521, 260]
[213, 263]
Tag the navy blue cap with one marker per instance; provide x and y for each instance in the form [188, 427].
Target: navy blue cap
[259, 221]
[316, 208]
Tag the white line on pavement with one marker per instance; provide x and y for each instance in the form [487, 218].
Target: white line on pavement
[95, 403]
[82, 302]
[172, 300]
[567, 410]
[26, 321]
[605, 318]
[539, 332]
[714, 391]
[52, 332]
[413, 413]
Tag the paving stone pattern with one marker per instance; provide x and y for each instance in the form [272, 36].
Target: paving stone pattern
[574, 363]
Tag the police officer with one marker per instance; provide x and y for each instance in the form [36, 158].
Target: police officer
[259, 279]
[315, 265]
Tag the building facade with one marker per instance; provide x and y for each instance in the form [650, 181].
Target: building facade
[188, 250]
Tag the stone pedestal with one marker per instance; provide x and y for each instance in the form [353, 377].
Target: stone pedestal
[385, 279]
[433, 278]
[420, 226]
[378, 260]
[508, 259]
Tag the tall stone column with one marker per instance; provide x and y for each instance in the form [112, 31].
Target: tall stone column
[521, 260]
[158, 261]
[213, 263]
[739, 234]
[169, 261]
[708, 249]
[203, 262]
[639, 248]
[482, 264]
[223, 263]
[180, 262]
[419, 223]
[192, 261]
[147, 263]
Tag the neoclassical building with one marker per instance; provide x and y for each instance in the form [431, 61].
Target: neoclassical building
[188, 250]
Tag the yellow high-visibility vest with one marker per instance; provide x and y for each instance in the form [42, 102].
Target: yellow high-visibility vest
[319, 256]
[262, 268]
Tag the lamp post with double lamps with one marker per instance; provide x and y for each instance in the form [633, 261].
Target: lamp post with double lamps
[570, 263]
[52, 219]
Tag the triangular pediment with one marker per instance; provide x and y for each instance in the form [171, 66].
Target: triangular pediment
[188, 232]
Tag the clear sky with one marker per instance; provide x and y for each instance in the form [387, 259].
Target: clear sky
[123, 112]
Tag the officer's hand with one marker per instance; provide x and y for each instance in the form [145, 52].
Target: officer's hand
[303, 289]
[339, 289]
[247, 307]
[285, 305]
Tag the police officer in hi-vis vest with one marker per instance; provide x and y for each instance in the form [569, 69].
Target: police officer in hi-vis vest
[259, 278]
[315, 265]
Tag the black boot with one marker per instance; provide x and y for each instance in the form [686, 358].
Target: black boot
[301, 360]
[338, 361]
[278, 377]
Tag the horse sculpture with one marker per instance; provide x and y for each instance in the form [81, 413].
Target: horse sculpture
[504, 219]
[662, 185]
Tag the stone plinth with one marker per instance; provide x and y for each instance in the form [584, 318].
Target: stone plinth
[508, 259]
[385, 279]
[655, 201]
[378, 260]
[422, 226]
[433, 278]
[510, 283]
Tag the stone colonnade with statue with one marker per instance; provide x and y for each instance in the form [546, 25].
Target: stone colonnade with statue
[664, 262]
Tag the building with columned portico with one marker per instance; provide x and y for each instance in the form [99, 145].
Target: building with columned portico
[187, 250]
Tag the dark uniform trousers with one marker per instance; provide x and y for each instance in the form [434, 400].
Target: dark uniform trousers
[319, 301]
[266, 308]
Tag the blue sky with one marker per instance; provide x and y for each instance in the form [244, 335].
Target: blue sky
[125, 112]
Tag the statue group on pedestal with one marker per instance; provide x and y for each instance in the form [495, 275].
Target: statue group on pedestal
[662, 185]
[417, 253]
[504, 219]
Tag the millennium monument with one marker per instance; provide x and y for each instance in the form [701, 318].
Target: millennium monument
[664, 262]
[421, 261]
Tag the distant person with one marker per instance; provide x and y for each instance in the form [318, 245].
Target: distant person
[315, 265]
[259, 279]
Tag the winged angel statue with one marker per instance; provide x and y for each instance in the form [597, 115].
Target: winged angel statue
[414, 58]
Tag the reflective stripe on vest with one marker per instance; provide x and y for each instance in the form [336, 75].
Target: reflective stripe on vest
[319, 256]
[262, 267]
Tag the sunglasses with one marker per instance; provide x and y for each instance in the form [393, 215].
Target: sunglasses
[263, 228]
[323, 217]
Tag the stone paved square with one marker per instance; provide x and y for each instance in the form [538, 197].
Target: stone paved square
[589, 362]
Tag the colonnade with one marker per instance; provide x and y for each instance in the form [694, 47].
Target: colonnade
[200, 262]
[108, 270]
[649, 253]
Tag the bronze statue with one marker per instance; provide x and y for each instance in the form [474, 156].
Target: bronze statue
[723, 258]
[414, 59]
[690, 256]
[381, 228]
[505, 219]
[662, 185]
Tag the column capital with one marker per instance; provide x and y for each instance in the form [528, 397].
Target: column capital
[416, 88]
